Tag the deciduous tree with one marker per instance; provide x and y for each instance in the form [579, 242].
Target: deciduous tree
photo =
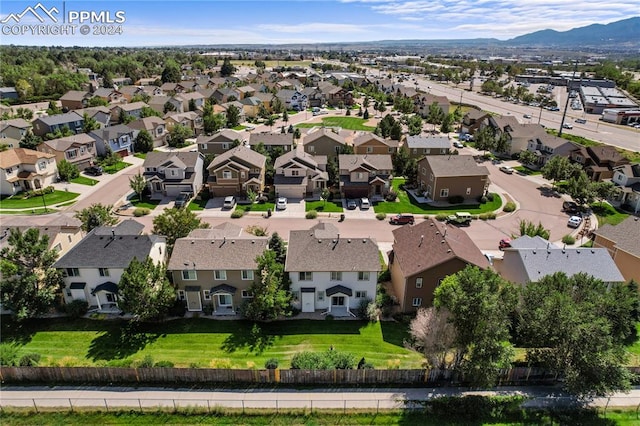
[434, 336]
[144, 290]
[67, 171]
[178, 135]
[96, 215]
[138, 184]
[176, 223]
[270, 299]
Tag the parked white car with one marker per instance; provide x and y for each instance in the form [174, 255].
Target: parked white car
[364, 203]
[574, 221]
[281, 204]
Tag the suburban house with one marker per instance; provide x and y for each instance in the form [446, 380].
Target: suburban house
[226, 94]
[128, 110]
[293, 99]
[170, 173]
[370, 143]
[323, 142]
[50, 123]
[92, 268]
[78, 150]
[101, 114]
[523, 265]
[419, 146]
[423, 255]
[15, 128]
[108, 94]
[517, 135]
[156, 128]
[444, 176]
[271, 141]
[251, 106]
[213, 271]
[335, 95]
[300, 175]
[331, 273]
[219, 142]
[191, 97]
[472, 121]
[365, 175]
[545, 146]
[424, 101]
[8, 93]
[24, 169]
[622, 242]
[75, 99]
[598, 161]
[627, 178]
[63, 231]
[236, 171]
[157, 103]
[191, 120]
[118, 138]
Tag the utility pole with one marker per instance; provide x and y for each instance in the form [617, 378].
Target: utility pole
[566, 105]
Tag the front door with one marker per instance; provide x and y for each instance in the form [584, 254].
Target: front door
[194, 304]
[308, 302]
[337, 301]
[225, 302]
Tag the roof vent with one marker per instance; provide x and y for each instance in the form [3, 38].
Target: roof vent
[253, 241]
[233, 241]
[442, 242]
[193, 242]
[364, 241]
[349, 240]
[593, 251]
[448, 250]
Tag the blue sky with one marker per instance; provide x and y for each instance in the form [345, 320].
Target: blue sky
[162, 23]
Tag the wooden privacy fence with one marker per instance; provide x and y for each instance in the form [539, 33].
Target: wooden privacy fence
[191, 376]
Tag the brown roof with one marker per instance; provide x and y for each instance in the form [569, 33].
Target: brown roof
[350, 162]
[271, 139]
[242, 154]
[309, 138]
[625, 235]
[217, 253]
[369, 136]
[15, 156]
[454, 165]
[430, 243]
[320, 249]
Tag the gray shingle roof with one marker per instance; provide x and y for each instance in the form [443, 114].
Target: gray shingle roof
[156, 159]
[271, 139]
[217, 254]
[531, 242]
[625, 235]
[52, 120]
[349, 162]
[454, 165]
[428, 142]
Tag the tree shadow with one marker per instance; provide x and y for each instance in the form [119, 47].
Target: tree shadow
[394, 333]
[545, 191]
[16, 332]
[253, 337]
[120, 342]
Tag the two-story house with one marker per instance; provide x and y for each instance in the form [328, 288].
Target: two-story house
[101, 114]
[547, 146]
[517, 135]
[323, 142]
[365, 175]
[598, 161]
[444, 176]
[64, 231]
[118, 138]
[335, 95]
[236, 171]
[622, 242]
[272, 141]
[186, 99]
[170, 173]
[128, 110]
[370, 143]
[15, 128]
[213, 268]
[219, 142]
[92, 268]
[472, 121]
[78, 150]
[423, 255]
[299, 175]
[190, 119]
[24, 169]
[75, 99]
[419, 146]
[108, 94]
[156, 127]
[627, 179]
[51, 123]
[293, 99]
[330, 273]
[423, 103]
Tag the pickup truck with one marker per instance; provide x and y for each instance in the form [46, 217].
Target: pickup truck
[460, 219]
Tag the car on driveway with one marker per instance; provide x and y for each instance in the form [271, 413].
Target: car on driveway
[574, 221]
[504, 243]
[458, 144]
[351, 204]
[402, 219]
[229, 202]
[94, 171]
[507, 169]
[364, 203]
[182, 199]
[281, 203]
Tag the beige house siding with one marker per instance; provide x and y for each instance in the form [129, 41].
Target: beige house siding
[628, 264]
[373, 147]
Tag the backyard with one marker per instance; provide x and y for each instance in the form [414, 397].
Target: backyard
[606, 213]
[208, 343]
[406, 204]
[349, 123]
[19, 202]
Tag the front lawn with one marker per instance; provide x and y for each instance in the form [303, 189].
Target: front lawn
[349, 123]
[18, 202]
[526, 171]
[116, 167]
[406, 204]
[83, 180]
[256, 207]
[146, 203]
[606, 213]
[326, 207]
[142, 155]
[198, 205]
[239, 127]
[208, 343]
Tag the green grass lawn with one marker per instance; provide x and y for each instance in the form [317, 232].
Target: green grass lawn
[83, 180]
[256, 207]
[142, 155]
[198, 205]
[239, 127]
[526, 171]
[146, 203]
[18, 202]
[326, 207]
[29, 212]
[406, 204]
[606, 213]
[116, 167]
[209, 343]
[349, 123]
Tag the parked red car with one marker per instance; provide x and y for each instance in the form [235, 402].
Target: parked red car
[504, 243]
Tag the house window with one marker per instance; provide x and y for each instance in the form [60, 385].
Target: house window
[369, 149]
[207, 295]
[415, 150]
[444, 192]
[390, 150]
[468, 191]
[320, 296]
[419, 282]
[220, 275]
[247, 275]
[225, 146]
[242, 175]
[431, 177]
[203, 146]
[72, 154]
[305, 276]
[361, 294]
[181, 295]
[424, 171]
[104, 272]
[337, 149]
[42, 165]
[73, 272]
[226, 174]
[9, 170]
[246, 294]
[336, 276]
[312, 148]
[189, 274]
[295, 172]
[58, 247]
[360, 175]
[363, 276]
[426, 150]
[417, 301]
[174, 172]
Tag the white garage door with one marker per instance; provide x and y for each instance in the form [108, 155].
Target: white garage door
[290, 191]
[308, 300]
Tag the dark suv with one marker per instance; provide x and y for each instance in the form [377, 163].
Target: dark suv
[93, 170]
[182, 199]
[402, 219]
[569, 207]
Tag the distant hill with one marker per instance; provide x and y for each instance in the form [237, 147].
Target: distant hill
[622, 32]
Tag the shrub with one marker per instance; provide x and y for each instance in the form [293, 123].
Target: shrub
[258, 231]
[384, 276]
[262, 199]
[381, 216]
[364, 365]
[141, 211]
[490, 196]
[311, 214]
[207, 309]
[391, 196]
[329, 317]
[509, 207]
[163, 364]
[237, 214]
[363, 308]
[568, 239]
[483, 216]
[76, 308]
[483, 199]
[121, 363]
[331, 359]
[373, 313]
[8, 355]
[441, 217]
[146, 362]
[455, 199]
[178, 309]
[491, 216]
[29, 360]
[271, 364]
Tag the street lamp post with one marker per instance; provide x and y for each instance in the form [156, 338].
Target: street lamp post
[44, 203]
